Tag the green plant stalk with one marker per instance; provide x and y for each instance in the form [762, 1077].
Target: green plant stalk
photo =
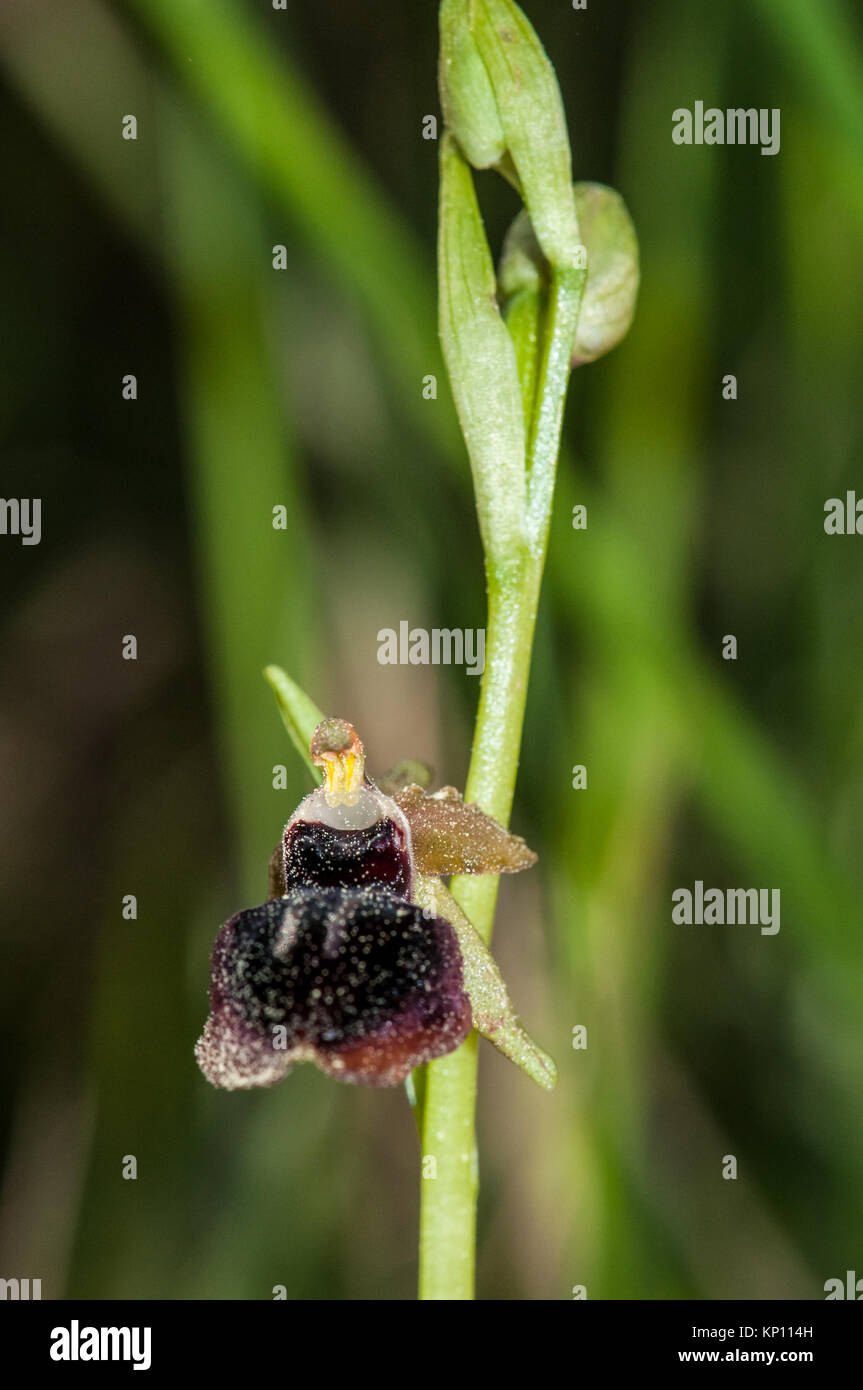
[448, 1199]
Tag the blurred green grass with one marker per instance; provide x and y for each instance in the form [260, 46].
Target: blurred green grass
[704, 517]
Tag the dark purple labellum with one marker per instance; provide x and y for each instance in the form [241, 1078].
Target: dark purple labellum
[357, 980]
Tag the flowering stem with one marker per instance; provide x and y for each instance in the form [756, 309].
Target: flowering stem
[509, 386]
[450, 1185]
[509, 342]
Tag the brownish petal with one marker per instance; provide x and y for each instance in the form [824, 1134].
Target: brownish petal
[450, 836]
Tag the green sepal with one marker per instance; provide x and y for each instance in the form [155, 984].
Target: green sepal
[493, 1014]
[300, 714]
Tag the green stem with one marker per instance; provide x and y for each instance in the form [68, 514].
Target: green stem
[448, 1206]
[450, 1184]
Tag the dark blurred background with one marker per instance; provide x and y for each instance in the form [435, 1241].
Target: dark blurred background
[302, 388]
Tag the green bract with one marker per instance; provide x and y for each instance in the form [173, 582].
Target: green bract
[480, 358]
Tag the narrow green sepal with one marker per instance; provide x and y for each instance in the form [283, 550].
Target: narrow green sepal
[493, 1014]
[300, 714]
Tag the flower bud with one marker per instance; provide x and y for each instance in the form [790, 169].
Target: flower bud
[610, 248]
[467, 96]
[502, 102]
[608, 305]
[523, 268]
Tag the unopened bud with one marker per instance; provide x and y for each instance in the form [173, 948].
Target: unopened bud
[467, 96]
[609, 238]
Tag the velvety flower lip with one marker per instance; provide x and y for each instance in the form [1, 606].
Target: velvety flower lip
[357, 980]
